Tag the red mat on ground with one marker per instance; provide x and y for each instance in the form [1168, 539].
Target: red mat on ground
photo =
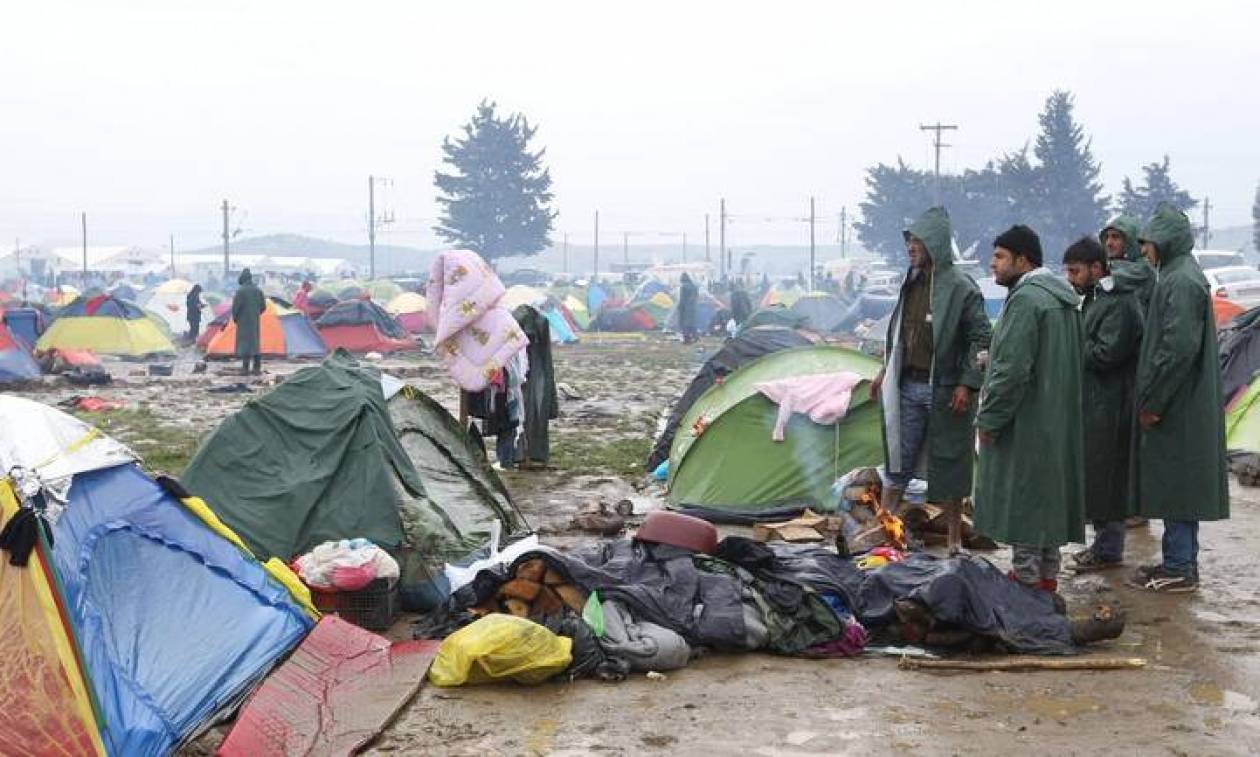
[336, 693]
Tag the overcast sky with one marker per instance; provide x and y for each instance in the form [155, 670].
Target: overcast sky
[147, 114]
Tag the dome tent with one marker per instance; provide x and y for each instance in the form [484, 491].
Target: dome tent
[723, 462]
[106, 325]
[282, 333]
[363, 326]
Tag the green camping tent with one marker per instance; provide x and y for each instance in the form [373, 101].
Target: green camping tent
[324, 456]
[733, 466]
[1242, 420]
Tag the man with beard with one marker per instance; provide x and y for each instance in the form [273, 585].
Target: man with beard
[926, 387]
[1112, 327]
[1030, 489]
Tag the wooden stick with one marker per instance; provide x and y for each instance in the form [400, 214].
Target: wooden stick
[1026, 663]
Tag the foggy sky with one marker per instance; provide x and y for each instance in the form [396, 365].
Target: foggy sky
[147, 114]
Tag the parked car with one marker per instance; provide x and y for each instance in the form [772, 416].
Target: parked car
[1219, 259]
[1239, 284]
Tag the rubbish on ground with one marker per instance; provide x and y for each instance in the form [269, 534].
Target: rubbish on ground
[597, 517]
[567, 392]
[500, 647]
[237, 388]
[161, 369]
[1026, 663]
[808, 526]
[652, 675]
[91, 404]
[334, 695]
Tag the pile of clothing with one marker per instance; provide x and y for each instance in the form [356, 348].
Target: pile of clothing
[345, 565]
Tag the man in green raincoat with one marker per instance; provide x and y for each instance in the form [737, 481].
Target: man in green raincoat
[1112, 328]
[1179, 473]
[1127, 270]
[930, 375]
[248, 305]
[1031, 487]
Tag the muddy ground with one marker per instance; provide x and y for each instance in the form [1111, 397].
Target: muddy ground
[1198, 694]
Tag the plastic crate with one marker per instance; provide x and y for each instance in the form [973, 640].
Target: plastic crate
[373, 607]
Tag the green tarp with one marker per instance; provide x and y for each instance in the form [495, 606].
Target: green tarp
[319, 459]
[733, 464]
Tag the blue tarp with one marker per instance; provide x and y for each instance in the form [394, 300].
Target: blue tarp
[17, 365]
[25, 323]
[174, 623]
[560, 331]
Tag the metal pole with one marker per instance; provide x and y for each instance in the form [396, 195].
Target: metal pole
[684, 247]
[707, 257]
[172, 256]
[844, 231]
[811, 244]
[566, 252]
[625, 248]
[371, 228]
[83, 219]
[226, 237]
[595, 274]
[722, 239]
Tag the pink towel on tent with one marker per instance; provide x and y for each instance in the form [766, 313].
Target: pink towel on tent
[824, 397]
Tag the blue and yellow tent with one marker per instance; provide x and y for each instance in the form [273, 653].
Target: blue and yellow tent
[138, 618]
[108, 326]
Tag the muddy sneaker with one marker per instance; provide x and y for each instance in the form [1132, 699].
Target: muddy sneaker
[1105, 622]
[1163, 581]
[1088, 561]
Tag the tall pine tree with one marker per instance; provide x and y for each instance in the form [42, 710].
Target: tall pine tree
[1157, 186]
[895, 196]
[1069, 199]
[497, 199]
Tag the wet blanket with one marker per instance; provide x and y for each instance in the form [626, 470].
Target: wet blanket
[972, 594]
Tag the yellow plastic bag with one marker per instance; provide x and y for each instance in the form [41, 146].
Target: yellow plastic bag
[500, 647]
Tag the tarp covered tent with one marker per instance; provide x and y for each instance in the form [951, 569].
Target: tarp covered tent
[781, 294]
[318, 458]
[363, 326]
[1242, 420]
[107, 326]
[26, 321]
[561, 330]
[724, 462]
[624, 319]
[773, 315]
[1240, 352]
[707, 308]
[577, 312]
[822, 312]
[135, 624]
[749, 345]
[282, 333]
[411, 312]
[168, 301]
[16, 363]
[383, 290]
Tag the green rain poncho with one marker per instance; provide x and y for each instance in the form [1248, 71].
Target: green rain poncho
[1113, 333]
[248, 305]
[1031, 486]
[1179, 471]
[960, 331]
[1132, 274]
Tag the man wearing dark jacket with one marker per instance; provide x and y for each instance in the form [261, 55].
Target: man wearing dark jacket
[1030, 489]
[248, 305]
[688, 295]
[930, 374]
[1112, 327]
[1179, 471]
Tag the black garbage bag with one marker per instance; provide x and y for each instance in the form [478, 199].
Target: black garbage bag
[589, 659]
[971, 594]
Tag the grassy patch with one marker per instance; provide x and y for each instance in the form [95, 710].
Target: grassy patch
[165, 448]
[621, 455]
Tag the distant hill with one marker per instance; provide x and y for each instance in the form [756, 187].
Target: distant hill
[389, 258]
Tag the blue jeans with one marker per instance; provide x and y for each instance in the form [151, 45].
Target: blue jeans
[1181, 547]
[1108, 543]
[505, 447]
[916, 408]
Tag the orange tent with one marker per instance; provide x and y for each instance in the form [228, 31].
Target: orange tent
[1225, 310]
[282, 333]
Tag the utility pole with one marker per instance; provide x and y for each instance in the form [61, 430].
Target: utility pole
[1207, 229]
[566, 252]
[811, 244]
[172, 256]
[371, 228]
[684, 247]
[722, 239]
[938, 127]
[227, 209]
[707, 257]
[625, 248]
[844, 231]
[83, 219]
[595, 274]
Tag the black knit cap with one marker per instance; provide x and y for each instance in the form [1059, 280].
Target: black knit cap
[1021, 240]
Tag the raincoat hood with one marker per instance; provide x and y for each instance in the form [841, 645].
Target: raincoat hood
[1044, 279]
[245, 278]
[934, 231]
[1128, 226]
[1169, 230]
